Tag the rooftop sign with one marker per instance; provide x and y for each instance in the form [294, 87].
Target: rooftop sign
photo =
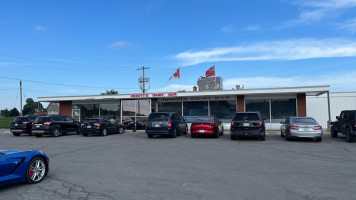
[154, 95]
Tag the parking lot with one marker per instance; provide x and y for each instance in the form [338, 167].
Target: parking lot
[131, 166]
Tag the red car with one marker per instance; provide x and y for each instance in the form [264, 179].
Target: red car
[208, 126]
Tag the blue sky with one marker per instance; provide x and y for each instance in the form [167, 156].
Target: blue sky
[100, 44]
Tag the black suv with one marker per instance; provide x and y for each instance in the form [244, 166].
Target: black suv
[248, 124]
[54, 125]
[345, 124]
[101, 126]
[166, 123]
[22, 124]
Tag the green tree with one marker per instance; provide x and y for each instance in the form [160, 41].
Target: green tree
[30, 107]
[14, 112]
[5, 112]
[112, 91]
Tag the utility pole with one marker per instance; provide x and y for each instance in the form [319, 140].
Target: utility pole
[143, 81]
[20, 98]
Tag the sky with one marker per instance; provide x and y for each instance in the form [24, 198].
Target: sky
[66, 48]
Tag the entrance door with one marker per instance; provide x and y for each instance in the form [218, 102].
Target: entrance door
[135, 112]
[76, 114]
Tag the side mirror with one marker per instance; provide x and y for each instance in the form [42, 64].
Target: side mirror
[337, 117]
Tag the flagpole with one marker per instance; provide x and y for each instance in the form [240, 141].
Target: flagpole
[179, 79]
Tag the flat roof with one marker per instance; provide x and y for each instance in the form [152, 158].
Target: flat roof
[308, 90]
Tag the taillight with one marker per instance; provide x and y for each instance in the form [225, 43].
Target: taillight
[169, 124]
[232, 123]
[260, 123]
[47, 123]
[355, 125]
[97, 124]
[25, 123]
[146, 124]
[82, 124]
[294, 127]
[317, 127]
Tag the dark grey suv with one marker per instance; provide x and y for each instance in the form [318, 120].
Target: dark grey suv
[248, 124]
[166, 123]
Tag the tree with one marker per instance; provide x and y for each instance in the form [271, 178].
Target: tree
[5, 113]
[112, 91]
[14, 112]
[30, 107]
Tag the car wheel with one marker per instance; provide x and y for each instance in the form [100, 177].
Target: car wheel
[104, 132]
[121, 130]
[149, 136]
[36, 170]
[282, 134]
[174, 134]
[222, 130]
[85, 134]
[16, 134]
[79, 131]
[319, 139]
[333, 132]
[262, 137]
[233, 137]
[216, 135]
[55, 132]
[38, 135]
[186, 131]
[193, 135]
[348, 136]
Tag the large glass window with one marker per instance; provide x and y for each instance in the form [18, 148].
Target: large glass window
[107, 110]
[89, 110]
[261, 105]
[128, 107]
[193, 109]
[282, 108]
[170, 107]
[223, 110]
[143, 108]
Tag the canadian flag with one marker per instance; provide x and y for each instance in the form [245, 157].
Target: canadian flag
[175, 75]
[210, 71]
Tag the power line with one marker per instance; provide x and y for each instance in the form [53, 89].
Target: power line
[60, 84]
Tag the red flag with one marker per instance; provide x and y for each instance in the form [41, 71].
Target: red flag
[175, 75]
[210, 72]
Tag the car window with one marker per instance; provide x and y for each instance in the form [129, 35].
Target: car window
[20, 119]
[204, 119]
[68, 119]
[41, 120]
[351, 116]
[246, 116]
[91, 120]
[304, 120]
[158, 117]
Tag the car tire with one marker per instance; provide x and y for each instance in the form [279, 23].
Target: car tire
[262, 137]
[319, 139]
[216, 135]
[104, 132]
[85, 134]
[56, 132]
[348, 136]
[233, 137]
[174, 134]
[16, 134]
[36, 170]
[282, 135]
[149, 136]
[121, 130]
[222, 130]
[186, 130]
[38, 135]
[79, 131]
[287, 137]
[333, 132]
[193, 135]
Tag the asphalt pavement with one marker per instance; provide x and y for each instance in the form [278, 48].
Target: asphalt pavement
[131, 166]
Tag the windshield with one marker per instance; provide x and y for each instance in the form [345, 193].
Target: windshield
[20, 119]
[246, 116]
[158, 117]
[204, 119]
[303, 121]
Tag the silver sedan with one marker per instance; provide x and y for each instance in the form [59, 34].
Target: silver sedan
[301, 127]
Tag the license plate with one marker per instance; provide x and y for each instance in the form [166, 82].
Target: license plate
[305, 129]
[37, 126]
[156, 125]
[201, 131]
[16, 124]
[246, 124]
[88, 126]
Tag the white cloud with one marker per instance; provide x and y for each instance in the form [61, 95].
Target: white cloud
[273, 50]
[316, 10]
[41, 28]
[173, 88]
[119, 44]
[253, 27]
[348, 25]
[227, 29]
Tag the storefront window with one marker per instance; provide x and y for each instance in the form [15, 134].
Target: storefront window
[282, 108]
[261, 105]
[143, 108]
[89, 110]
[223, 110]
[193, 109]
[170, 107]
[128, 107]
[109, 110]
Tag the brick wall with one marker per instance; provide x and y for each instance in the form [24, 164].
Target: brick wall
[65, 108]
[301, 105]
[240, 103]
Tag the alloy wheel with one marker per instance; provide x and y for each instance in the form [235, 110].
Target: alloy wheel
[37, 170]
